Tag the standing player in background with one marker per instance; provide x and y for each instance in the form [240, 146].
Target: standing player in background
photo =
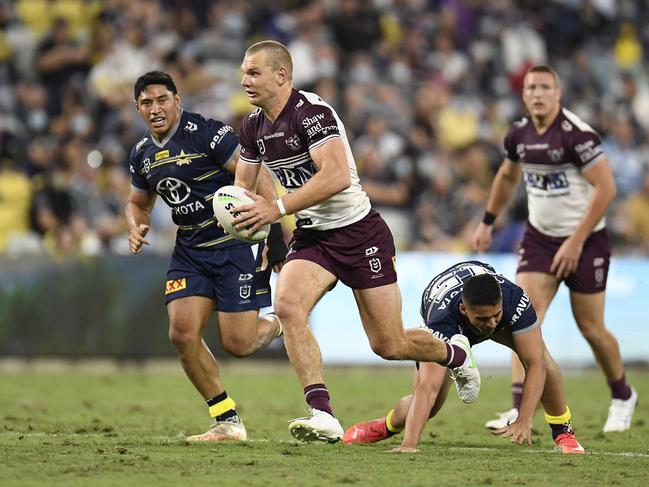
[338, 235]
[569, 188]
[185, 158]
[470, 298]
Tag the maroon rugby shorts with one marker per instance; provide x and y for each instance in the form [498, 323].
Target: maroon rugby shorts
[361, 255]
[537, 251]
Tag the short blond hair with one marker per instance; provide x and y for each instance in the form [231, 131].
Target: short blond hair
[544, 68]
[277, 55]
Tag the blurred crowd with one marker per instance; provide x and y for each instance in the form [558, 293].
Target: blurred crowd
[426, 89]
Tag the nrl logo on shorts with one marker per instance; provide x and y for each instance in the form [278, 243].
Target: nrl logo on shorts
[244, 291]
[375, 264]
[294, 142]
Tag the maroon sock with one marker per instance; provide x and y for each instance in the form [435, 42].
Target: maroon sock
[317, 396]
[619, 388]
[517, 394]
[455, 356]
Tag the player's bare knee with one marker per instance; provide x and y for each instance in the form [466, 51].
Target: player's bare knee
[388, 350]
[289, 310]
[237, 346]
[182, 336]
[591, 332]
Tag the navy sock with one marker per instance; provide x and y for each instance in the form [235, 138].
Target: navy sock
[229, 414]
[317, 396]
[558, 429]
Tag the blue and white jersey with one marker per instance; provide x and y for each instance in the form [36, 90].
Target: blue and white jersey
[186, 169]
[440, 304]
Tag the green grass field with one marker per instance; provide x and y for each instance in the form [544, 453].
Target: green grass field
[89, 426]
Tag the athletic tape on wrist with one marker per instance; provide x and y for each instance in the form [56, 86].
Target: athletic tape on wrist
[280, 205]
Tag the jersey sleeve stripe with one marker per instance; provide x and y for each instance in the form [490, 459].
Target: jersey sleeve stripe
[593, 162]
[322, 141]
[249, 161]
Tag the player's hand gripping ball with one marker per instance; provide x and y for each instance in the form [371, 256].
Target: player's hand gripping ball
[227, 198]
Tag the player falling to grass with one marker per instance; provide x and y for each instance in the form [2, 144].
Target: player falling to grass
[470, 298]
[338, 236]
[569, 187]
[184, 159]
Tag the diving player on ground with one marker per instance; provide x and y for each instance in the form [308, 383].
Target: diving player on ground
[470, 298]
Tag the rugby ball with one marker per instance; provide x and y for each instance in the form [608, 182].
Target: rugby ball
[225, 200]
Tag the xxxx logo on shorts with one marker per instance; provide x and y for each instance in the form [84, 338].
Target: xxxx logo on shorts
[175, 285]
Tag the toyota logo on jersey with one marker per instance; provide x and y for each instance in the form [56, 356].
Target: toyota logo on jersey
[173, 191]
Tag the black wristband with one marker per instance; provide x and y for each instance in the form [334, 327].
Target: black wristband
[277, 248]
[488, 218]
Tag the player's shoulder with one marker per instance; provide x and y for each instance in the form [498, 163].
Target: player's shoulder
[253, 119]
[514, 296]
[139, 147]
[253, 116]
[306, 101]
[571, 123]
[518, 127]
[192, 122]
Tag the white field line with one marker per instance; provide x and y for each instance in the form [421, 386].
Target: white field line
[180, 437]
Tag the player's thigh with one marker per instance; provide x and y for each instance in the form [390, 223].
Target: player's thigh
[380, 311]
[300, 285]
[188, 316]
[541, 287]
[588, 310]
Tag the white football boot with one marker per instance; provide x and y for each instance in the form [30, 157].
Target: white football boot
[319, 425]
[503, 419]
[222, 431]
[620, 413]
[466, 376]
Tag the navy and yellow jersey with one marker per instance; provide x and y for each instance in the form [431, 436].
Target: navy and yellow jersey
[440, 304]
[186, 169]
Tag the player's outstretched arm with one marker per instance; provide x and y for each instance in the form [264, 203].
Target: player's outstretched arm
[429, 383]
[530, 349]
[138, 218]
[502, 190]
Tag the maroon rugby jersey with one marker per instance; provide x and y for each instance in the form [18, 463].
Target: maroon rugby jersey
[553, 165]
[306, 122]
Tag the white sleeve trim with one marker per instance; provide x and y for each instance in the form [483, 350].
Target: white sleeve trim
[322, 141]
[593, 162]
